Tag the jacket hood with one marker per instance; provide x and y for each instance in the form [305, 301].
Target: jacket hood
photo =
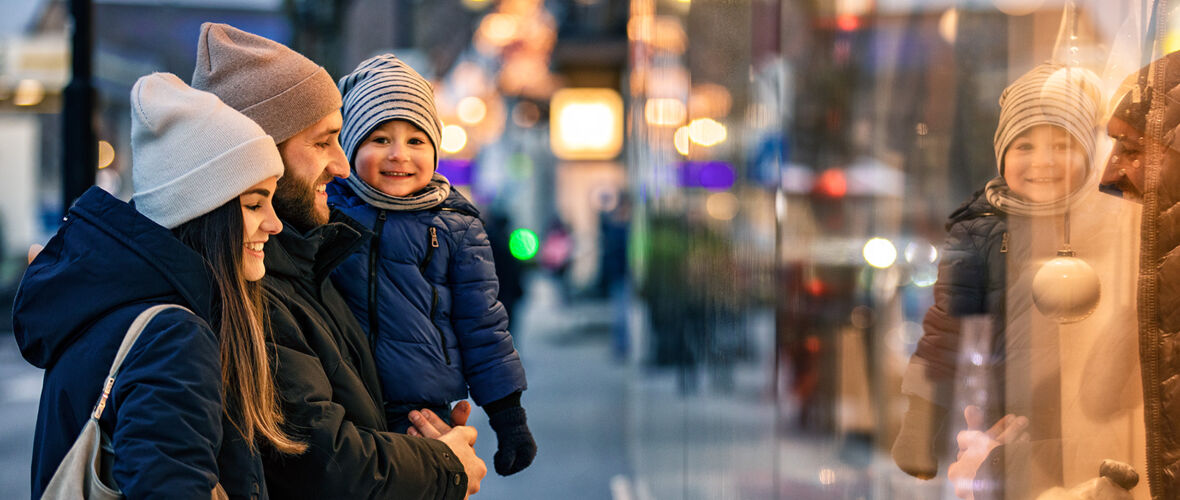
[105, 256]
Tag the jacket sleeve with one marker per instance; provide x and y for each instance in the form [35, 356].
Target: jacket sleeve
[167, 400]
[491, 364]
[344, 459]
[961, 290]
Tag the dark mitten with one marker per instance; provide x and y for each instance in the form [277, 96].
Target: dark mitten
[913, 451]
[516, 447]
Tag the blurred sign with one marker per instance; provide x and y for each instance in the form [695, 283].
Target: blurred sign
[711, 175]
[42, 58]
[586, 124]
[456, 170]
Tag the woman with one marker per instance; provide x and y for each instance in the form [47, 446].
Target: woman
[194, 397]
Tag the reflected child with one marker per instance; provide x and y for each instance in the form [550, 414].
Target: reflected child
[1044, 144]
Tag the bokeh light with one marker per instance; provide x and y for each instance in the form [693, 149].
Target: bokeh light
[880, 253]
[106, 154]
[472, 110]
[680, 140]
[454, 138]
[722, 206]
[706, 132]
[523, 244]
[663, 111]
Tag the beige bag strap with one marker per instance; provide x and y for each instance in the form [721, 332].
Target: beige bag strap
[129, 339]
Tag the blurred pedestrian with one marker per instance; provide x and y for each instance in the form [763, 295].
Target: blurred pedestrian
[194, 396]
[425, 286]
[509, 270]
[325, 372]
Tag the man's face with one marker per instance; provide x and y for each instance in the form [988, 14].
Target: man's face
[1125, 168]
[312, 158]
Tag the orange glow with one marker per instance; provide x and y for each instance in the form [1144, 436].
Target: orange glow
[832, 183]
[847, 22]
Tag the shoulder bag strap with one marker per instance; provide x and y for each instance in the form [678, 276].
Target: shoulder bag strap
[129, 338]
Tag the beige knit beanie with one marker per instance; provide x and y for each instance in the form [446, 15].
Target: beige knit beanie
[1050, 94]
[190, 152]
[275, 86]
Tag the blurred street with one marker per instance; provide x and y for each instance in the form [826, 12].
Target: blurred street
[606, 429]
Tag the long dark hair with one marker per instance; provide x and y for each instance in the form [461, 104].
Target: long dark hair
[240, 320]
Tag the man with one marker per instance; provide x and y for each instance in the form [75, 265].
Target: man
[325, 373]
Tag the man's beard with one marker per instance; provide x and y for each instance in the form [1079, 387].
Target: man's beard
[295, 204]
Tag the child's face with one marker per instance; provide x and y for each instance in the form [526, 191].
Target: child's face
[396, 158]
[1044, 164]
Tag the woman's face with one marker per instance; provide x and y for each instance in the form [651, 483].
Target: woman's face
[1125, 167]
[1044, 164]
[258, 223]
[397, 158]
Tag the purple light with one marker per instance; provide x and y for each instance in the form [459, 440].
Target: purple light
[711, 175]
[458, 171]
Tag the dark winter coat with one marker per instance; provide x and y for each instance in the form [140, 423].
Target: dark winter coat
[328, 385]
[1159, 335]
[439, 328]
[106, 264]
[972, 280]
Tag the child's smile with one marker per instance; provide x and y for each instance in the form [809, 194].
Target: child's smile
[397, 158]
[1044, 164]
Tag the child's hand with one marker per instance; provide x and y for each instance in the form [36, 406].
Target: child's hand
[975, 444]
[515, 445]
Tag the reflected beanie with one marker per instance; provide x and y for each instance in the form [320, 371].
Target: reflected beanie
[275, 86]
[1050, 94]
[381, 89]
[190, 152]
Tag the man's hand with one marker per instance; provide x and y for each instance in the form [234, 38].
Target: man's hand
[461, 439]
[975, 445]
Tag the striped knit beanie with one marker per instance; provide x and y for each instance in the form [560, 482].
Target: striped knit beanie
[1050, 94]
[190, 152]
[278, 88]
[381, 89]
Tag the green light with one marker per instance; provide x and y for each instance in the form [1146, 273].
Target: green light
[523, 244]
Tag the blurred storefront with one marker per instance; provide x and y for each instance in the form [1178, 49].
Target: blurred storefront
[759, 188]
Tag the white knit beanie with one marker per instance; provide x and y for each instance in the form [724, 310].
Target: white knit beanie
[190, 152]
[383, 88]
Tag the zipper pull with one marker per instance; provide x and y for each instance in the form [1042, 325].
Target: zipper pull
[1004, 243]
[434, 237]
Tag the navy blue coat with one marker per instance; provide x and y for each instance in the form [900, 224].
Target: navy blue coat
[106, 264]
[440, 329]
[972, 280]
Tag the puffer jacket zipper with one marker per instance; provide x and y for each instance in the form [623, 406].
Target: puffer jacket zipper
[374, 254]
[431, 244]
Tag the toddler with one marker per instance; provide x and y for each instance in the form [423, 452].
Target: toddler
[424, 287]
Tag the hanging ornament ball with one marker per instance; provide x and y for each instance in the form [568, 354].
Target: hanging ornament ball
[1066, 288]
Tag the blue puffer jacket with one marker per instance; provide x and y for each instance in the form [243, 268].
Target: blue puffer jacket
[106, 264]
[439, 328]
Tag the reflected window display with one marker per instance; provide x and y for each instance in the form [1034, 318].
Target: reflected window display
[944, 266]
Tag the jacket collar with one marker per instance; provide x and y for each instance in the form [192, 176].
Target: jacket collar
[314, 254]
